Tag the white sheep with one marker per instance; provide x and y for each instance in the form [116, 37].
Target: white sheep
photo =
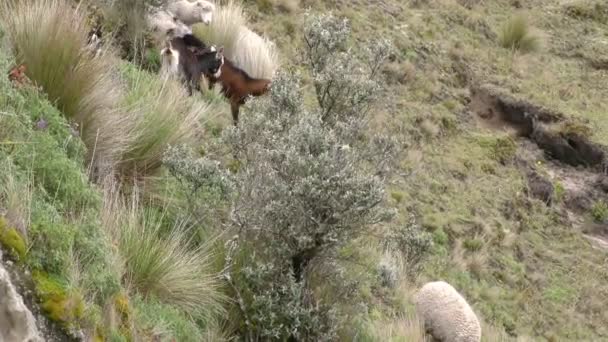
[164, 25]
[447, 315]
[190, 13]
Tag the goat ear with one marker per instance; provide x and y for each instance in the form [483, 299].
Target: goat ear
[220, 50]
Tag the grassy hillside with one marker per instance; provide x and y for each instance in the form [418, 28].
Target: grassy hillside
[156, 247]
[525, 267]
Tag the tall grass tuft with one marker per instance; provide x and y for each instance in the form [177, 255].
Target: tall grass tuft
[163, 114]
[163, 266]
[225, 28]
[516, 35]
[50, 38]
[256, 55]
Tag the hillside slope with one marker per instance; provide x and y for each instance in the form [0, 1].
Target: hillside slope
[467, 174]
[499, 185]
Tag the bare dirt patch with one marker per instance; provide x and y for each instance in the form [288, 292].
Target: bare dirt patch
[496, 109]
[574, 167]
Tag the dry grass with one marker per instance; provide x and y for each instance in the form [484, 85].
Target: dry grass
[287, 6]
[406, 328]
[254, 54]
[50, 38]
[163, 114]
[225, 28]
[15, 199]
[516, 35]
[164, 266]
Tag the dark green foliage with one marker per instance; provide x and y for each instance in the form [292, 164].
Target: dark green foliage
[276, 306]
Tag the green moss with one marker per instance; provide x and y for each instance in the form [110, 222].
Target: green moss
[59, 304]
[121, 303]
[12, 241]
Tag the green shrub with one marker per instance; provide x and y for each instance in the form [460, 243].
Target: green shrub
[515, 35]
[413, 242]
[275, 306]
[559, 191]
[63, 179]
[440, 237]
[305, 184]
[51, 240]
[599, 211]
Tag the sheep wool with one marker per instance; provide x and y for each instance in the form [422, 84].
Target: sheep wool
[447, 315]
[164, 26]
[190, 13]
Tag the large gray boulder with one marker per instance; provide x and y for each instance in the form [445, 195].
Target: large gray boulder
[17, 324]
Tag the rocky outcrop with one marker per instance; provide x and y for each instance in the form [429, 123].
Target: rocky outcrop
[16, 321]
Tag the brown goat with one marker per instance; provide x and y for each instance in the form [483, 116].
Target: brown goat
[237, 85]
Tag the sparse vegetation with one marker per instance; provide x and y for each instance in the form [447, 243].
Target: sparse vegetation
[599, 211]
[516, 35]
[594, 10]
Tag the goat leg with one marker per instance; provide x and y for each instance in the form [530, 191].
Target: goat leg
[235, 112]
